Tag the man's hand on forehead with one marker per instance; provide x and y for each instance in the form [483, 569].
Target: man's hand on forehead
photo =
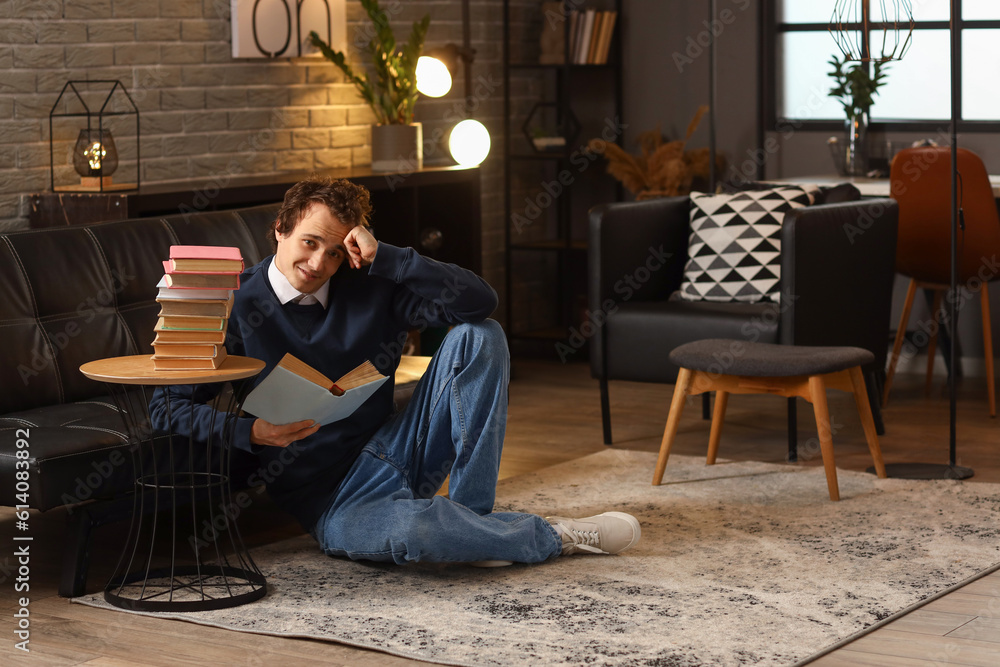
[361, 247]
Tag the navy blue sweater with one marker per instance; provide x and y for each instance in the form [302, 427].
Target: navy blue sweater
[369, 313]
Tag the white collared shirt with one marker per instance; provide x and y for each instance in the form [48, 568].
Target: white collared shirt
[285, 292]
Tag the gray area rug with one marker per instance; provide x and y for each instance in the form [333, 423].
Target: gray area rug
[740, 563]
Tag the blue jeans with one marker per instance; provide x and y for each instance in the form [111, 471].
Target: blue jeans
[386, 510]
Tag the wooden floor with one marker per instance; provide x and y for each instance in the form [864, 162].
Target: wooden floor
[554, 417]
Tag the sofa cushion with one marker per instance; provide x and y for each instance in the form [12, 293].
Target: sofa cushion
[646, 332]
[823, 194]
[836, 194]
[734, 252]
[77, 451]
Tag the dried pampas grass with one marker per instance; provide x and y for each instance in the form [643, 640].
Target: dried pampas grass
[662, 169]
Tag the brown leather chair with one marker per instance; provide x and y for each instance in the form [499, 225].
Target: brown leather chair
[921, 183]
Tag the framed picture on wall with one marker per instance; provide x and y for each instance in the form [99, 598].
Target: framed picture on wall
[280, 28]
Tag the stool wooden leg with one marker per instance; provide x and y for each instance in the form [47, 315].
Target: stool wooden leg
[932, 343]
[911, 292]
[817, 395]
[721, 398]
[673, 419]
[984, 299]
[867, 422]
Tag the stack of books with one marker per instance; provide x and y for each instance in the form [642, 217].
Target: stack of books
[196, 299]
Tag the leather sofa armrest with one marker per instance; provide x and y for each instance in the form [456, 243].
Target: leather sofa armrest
[837, 271]
[636, 252]
[626, 236]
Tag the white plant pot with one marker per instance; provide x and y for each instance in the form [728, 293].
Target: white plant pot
[397, 147]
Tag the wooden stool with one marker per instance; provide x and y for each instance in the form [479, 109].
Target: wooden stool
[738, 367]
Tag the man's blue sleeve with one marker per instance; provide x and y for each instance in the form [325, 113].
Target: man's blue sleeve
[434, 293]
[187, 413]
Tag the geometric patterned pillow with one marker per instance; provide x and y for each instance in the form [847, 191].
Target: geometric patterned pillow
[734, 253]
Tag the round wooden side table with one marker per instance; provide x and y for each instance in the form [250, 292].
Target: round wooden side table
[184, 551]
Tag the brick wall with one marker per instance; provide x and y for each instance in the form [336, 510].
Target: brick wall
[203, 114]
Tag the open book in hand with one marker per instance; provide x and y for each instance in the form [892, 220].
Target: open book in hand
[295, 391]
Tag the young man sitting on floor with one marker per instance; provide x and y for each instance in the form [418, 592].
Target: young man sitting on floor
[365, 486]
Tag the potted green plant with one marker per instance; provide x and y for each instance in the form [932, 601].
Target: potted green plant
[855, 88]
[391, 92]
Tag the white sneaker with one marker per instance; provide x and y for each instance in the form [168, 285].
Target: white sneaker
[607, 533]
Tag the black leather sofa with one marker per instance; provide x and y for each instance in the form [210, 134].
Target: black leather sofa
[70, 295]
[73, 294]
[837, 271]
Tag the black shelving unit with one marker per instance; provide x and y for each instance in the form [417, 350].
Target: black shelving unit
[547, 193]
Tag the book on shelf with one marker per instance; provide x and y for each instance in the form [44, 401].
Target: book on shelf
[205, 259]
[607, 31]
[193, 323]
[574, 42]
[216, 281]
[574, 36]
[189, 363]
[584, 42]
[294, 391]
[202, 307]
[171, 350]
[165, 335]
[548, 144]
[591, 58]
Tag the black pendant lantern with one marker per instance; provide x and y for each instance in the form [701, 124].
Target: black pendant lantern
[858, 26]
[95, 155]
[87, 110]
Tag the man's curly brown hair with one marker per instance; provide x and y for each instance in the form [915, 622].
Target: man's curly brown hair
[349, 202]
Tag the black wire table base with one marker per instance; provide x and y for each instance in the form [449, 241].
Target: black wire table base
[187, 588]
[184, 551]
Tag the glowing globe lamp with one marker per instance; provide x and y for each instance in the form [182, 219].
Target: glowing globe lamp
[469, 143]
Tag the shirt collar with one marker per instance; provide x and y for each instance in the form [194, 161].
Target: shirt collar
[284, 290]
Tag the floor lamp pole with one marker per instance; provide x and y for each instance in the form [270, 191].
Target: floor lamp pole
[712, 176]
[952, 314]
[961, 473]
[706, 399]
[952, 470]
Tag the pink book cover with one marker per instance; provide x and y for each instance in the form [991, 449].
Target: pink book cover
[169, 271]
[205, 252]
